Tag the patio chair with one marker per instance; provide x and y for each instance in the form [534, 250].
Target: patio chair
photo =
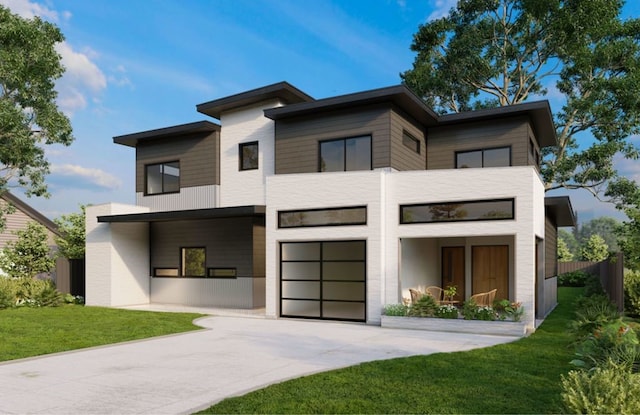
[436, 292]
[415, 295]
[485, 299]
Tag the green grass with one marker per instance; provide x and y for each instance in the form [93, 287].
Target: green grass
[519, 377]
[30, 332]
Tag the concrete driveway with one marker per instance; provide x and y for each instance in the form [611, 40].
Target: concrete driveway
[188, 372]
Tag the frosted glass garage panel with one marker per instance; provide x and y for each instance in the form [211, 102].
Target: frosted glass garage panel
[307, 290]
[347, 311]
[345, 291]
[300, 270]
[349, 251]
[301, 308]
[352, 271]
[301, 251]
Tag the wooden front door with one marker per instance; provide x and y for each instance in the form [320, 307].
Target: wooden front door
[453, 269]
[490, 269]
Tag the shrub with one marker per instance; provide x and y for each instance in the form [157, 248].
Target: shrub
[38, 293]
[592, 313]
[472, 311]
[632, 293]
[605, 390]
[446, 311]
[424, 307]
[7, 292]
[593, 286]
[395, 310]
[507, 310]
[573, 279]
[615, 342]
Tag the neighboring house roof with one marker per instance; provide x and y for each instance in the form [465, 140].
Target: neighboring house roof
[132, 140]
[212, 213]
[399, 95]
[538, 111]
[282, 90]
[561, 209]
[31, 212]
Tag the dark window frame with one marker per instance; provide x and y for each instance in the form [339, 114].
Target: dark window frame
[404, 222]
[211, 272]
[344, 161]
[482, 150]
[204, 262]
[157, 272]
[414, 144]
[280, 212]
[241, 147]
[163, 192]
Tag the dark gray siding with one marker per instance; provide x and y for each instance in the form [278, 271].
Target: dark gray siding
[198, 155]
[402, 157]
[297, 139]
[259, 248]
[229, 243]
[550, 248]
[443, 142]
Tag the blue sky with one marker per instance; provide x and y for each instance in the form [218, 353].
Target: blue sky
[135, 65]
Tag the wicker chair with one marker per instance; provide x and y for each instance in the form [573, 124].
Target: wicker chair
[436, 292]
[415, 295]
[485, 299]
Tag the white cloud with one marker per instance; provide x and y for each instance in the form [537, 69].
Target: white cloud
[72, 175]
[80, 70]
[29, 10]
[441, 8]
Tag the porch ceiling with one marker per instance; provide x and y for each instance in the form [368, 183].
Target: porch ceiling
[194, 214]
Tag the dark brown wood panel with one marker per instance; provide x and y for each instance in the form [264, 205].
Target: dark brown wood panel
[550, 248]
[198, 155]
[443, 142]
[228, 242]
[402, 157]
[297, 139]
[490, 269]
[453, 270]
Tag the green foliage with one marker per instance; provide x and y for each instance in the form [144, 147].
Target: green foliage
[395, 310]
[564, 254]
[507, 310]
[27, 292]
[29, 116]
[29, 255]
[592, 312]
[425, 307]
[504, 52]
[603, 226]
[570, 241]
[632, 293]
[612, 341]
[446, 311]
[472, 311]
[609, 389]
[71, 244]
[629, 238]
[572, 279]
[8, 292]
[595, 249]
[593, 286]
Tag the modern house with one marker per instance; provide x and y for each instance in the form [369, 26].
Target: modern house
[331, 208]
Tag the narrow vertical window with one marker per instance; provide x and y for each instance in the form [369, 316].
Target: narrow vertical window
[193, 262]
[249, 156]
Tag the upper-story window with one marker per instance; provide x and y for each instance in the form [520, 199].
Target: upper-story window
[346, 154]
[248, 155]
[534, 154]
[163, 178]
[411, 142]
[489, 157]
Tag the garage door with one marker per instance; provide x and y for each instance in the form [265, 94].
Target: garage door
[323, 280]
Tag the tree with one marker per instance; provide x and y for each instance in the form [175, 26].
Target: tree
[29, 116]
[605, 227]
[629, 239]
[29, 255]
[569, 239]
[489, 53]
[595, 249]
[71, 244]
[564, 254]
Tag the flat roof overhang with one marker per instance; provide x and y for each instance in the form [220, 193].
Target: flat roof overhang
[194, 214]
[132, 140]
[560, 207]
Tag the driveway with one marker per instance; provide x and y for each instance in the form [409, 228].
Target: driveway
[188, 372]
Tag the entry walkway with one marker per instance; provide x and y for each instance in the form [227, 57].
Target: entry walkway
[187, 372]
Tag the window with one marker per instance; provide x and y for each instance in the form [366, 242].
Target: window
[347, 154]
[192, 262]
[534, 154]
[323, 217]
[490, 157]
[458, 211]
[249, 156]
[163, 178]
[223, 273]
[411, 142]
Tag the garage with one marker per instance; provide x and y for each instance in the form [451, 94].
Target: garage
[323, 280]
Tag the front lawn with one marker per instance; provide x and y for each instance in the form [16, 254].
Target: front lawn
[519, 377]
[30, 332]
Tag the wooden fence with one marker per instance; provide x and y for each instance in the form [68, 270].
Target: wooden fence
[610, 271]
